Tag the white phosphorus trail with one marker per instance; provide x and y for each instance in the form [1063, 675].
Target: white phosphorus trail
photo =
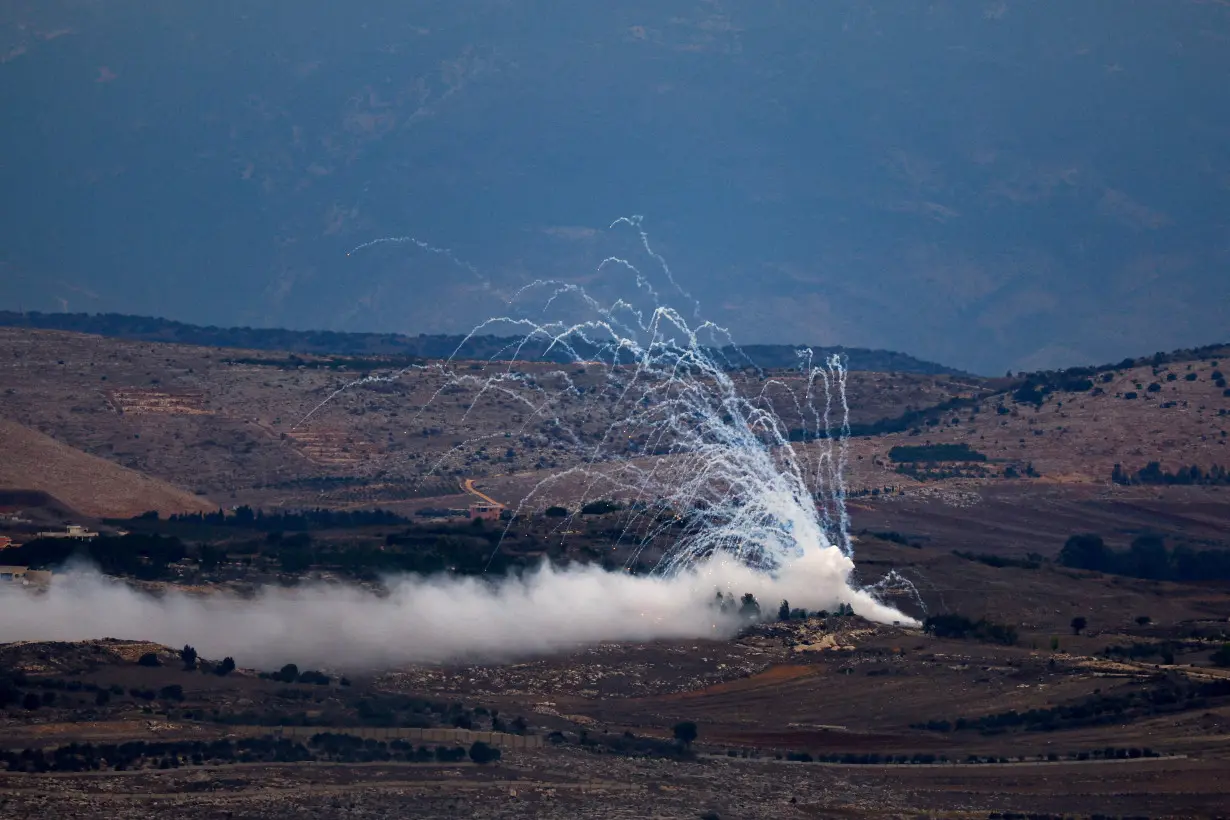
[401, 240]
[728, 478]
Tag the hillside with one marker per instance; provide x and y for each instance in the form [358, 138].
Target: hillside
[330, 343]
[86, 483]
[227, 423]
[1176, 414]
[271, 429]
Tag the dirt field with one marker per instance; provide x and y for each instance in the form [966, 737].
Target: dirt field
[90, 485]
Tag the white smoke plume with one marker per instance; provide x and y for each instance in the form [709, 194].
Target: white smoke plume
[697, 462]
[428, 619]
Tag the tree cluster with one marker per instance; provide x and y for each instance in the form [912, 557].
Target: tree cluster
[747, 607]
[914, 453]
[290, 674]
[140, 754]
[1147, 557]
[951, 625]
[1138, 651]
[297, 521]
[136, 554]
[1095, 710]
[1153, 474]
[1031, 561]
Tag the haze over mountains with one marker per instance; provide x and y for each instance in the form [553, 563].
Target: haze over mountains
[439, 346]
[989, 185]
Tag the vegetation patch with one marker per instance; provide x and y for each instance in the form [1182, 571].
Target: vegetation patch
[952, 625]
[915, 453]
[1148, 557]
[1031, 561]
[1171, 696]
[1153, 474]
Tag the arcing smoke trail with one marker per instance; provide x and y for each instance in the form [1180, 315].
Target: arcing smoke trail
[746, 503]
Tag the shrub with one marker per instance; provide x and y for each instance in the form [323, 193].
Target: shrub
[172, 692]
[483, 754]
[149, 659]
[314, 677]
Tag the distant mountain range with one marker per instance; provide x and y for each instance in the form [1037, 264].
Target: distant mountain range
[439, 346]
[995, 185]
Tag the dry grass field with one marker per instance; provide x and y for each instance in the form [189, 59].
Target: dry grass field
[88, 484]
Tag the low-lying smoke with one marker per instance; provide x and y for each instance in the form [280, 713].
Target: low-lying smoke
[428, 619]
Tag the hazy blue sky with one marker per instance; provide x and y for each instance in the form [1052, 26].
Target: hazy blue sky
[993, 185]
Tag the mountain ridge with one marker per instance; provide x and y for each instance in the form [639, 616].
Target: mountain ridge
[427, 346]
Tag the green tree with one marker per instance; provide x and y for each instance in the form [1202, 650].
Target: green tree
[189, 657]
[1149, 558]
[749, 608]
[226, 667]
[685, 732]
[149, 659]
[172, 692]
[1084, 552]
[783, 611]
[482, 754]
[1222, 656]
[1078, 624]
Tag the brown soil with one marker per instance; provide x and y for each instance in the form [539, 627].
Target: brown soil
[88, 484]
